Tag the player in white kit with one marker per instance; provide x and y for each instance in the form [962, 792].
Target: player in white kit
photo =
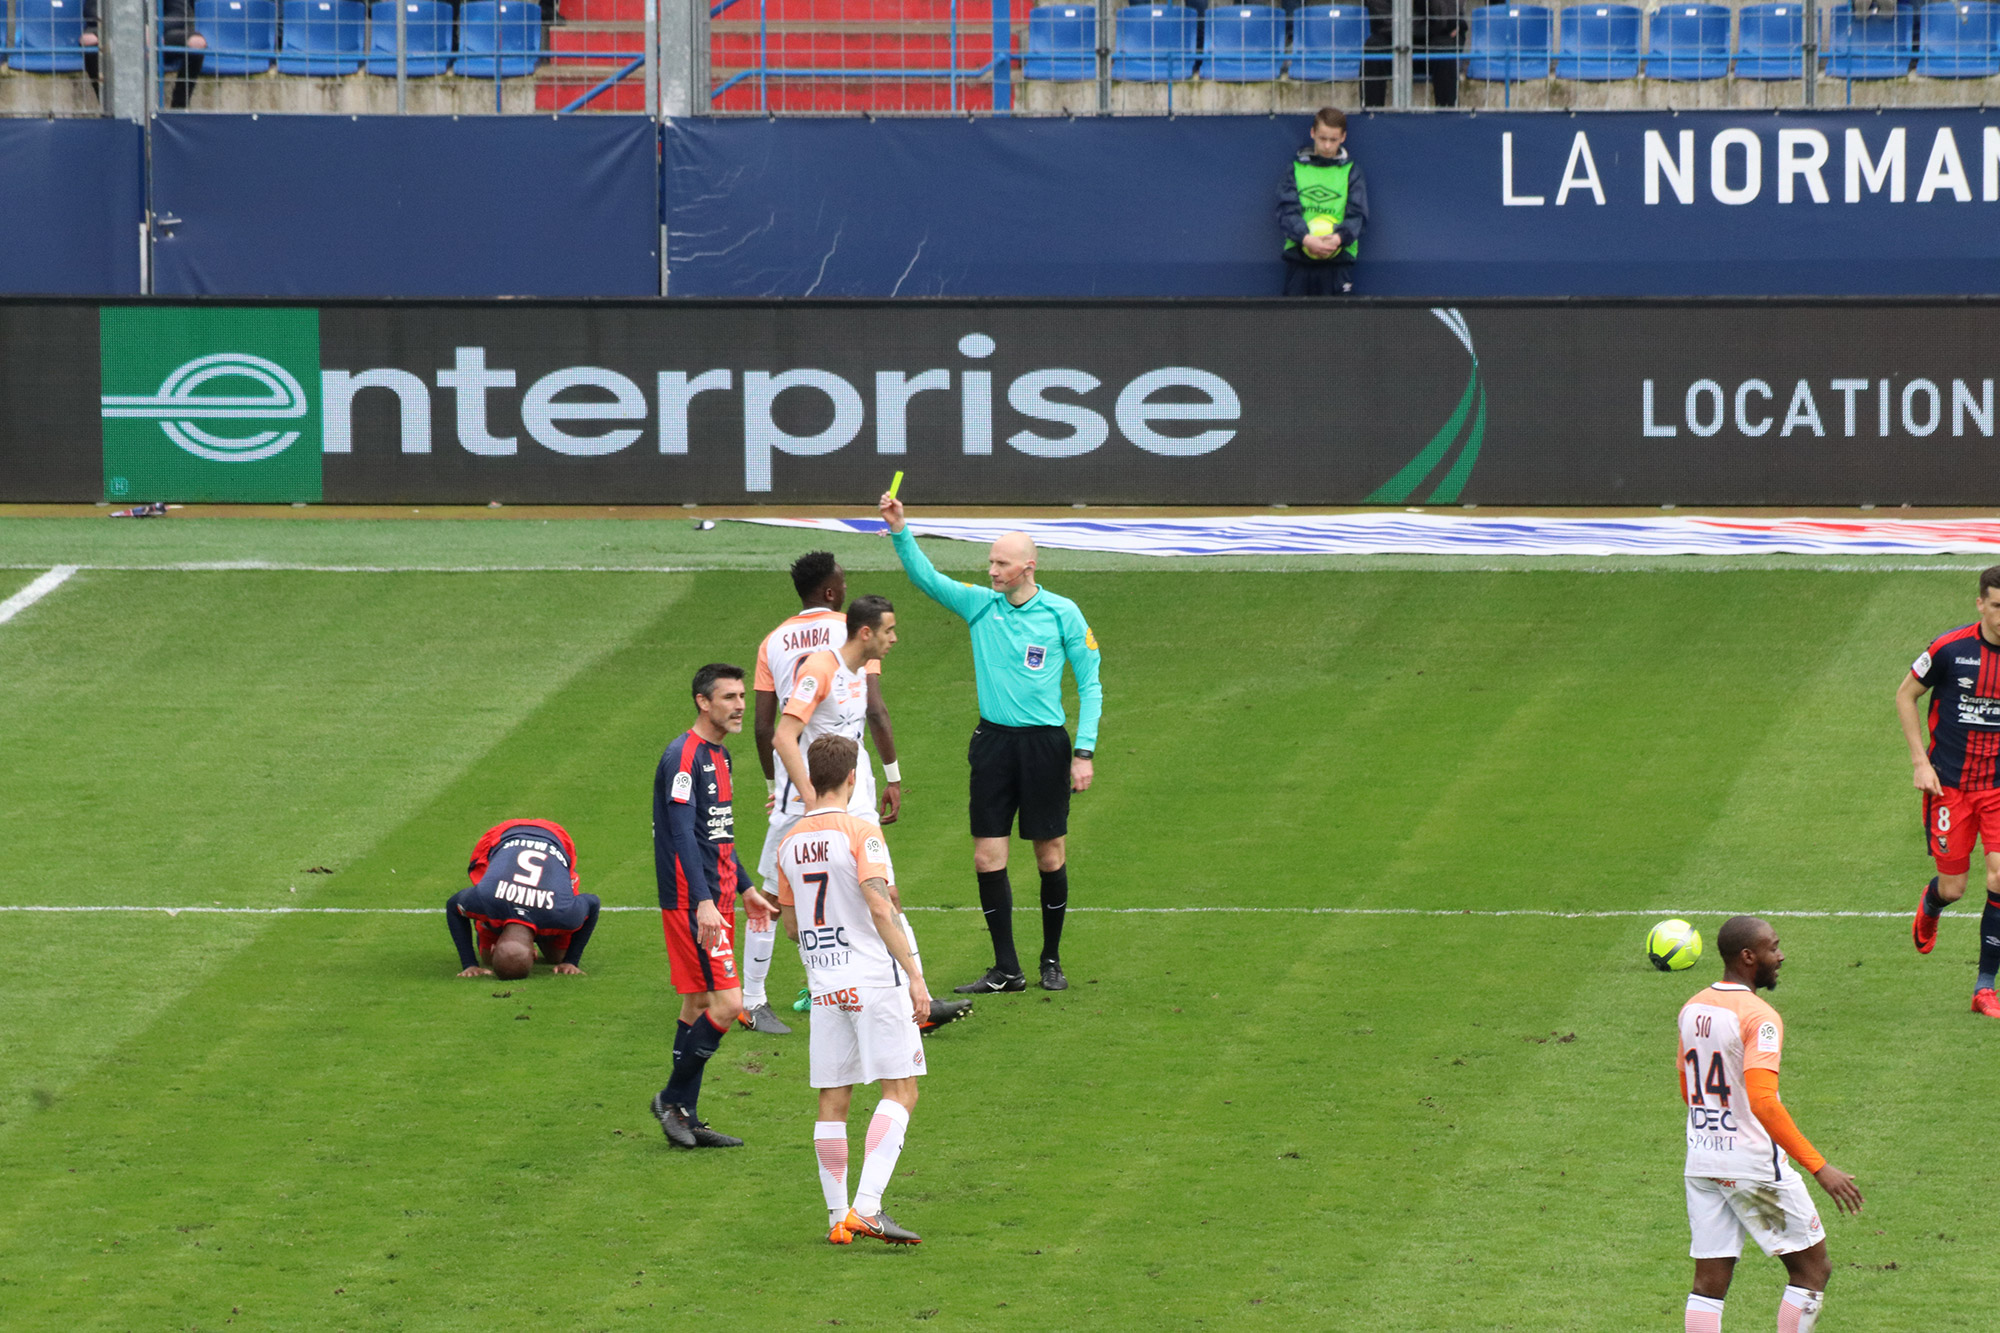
[830, 698]
[868, 991]
[820, 623]
[1738, 1183]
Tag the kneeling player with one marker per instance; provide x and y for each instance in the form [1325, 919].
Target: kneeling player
[867, 992]
[1737, 1183]
[523, 894]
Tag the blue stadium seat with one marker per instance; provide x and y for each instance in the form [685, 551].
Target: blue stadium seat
[1688, 42]
[242, 35]
[1959, 40]
[1510, 43]
[1880, 46]
[43, 29]
[1155, 44]
[427, 34]
[1327, 42]
[1062, 43]
[1599, 42]
[1244, 43]
[324, 37]
[498, 35]
[1770, 41]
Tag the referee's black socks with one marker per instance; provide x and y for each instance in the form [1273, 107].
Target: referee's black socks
[996, 900]
[1055, 902]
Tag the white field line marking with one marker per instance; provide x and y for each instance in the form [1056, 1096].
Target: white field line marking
[1656, 913]
[1749, 564]
[35, 591]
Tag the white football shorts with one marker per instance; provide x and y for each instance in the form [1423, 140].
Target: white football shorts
[1778, 1215]
[861, 805]
[864, 1034]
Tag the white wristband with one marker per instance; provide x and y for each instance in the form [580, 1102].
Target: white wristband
[892, 771]
[772, 784]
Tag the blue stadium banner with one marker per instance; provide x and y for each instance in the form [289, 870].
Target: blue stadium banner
[72, 198]
[323, 206]
[1888, 202]
[1598, 402]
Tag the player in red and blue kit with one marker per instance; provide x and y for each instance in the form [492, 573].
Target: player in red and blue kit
[700, 877]
[1956, 773]
[523, 894]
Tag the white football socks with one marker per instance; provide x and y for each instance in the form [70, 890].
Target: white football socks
[903, 920]
[830, 1143]
[758, 946]
[1704, 1314]
[1798, 1310]
[885, 1145]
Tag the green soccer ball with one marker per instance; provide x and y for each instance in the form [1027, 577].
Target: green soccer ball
[1673, 946]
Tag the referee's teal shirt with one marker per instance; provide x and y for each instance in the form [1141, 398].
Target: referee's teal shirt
[1018, 651]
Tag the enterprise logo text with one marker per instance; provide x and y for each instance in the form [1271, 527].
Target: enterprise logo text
[591, 411]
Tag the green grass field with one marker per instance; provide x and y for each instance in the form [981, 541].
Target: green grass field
[1417, 1116]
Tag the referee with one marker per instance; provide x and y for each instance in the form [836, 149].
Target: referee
[1020, 753]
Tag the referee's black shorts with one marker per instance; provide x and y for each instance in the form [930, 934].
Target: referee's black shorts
[1019, 769]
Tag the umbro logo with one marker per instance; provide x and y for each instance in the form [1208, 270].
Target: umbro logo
[1965, 682]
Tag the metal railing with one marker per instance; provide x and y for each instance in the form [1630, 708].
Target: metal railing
[982, 57]
[345, 56]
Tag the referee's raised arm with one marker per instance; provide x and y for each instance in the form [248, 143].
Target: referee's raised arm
[1021, 757]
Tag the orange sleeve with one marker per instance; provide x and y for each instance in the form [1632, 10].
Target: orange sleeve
[764, 680]
[871, 854]
[1777, 1121]
[815, 678]
[874, 668]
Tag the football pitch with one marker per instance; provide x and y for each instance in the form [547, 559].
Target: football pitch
[1360, 1034]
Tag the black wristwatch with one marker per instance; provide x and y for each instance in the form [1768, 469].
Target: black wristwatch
[1083, 754]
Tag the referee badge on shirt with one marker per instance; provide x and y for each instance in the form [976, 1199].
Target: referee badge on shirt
[1036, 656]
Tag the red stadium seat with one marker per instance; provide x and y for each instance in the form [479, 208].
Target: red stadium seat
[877, 39]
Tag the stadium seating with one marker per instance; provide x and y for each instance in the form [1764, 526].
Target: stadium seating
[242, 35]
[1958, 40]
[592, 41]
[1880, 46]
[1062, 43]
[1327, 42]
[1155, 44]
[498, 39]
[427, 38]
[46, 35]
[1769, 41]
[324, 38]
[1598, 42]
[1509, 43]
[1688, 42]
[1244, 43]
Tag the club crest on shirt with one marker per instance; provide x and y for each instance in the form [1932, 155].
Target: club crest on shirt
[1036, 656]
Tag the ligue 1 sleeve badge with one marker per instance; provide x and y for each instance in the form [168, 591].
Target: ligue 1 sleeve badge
[1036, 656]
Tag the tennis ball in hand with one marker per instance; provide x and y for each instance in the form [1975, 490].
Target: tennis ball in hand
[1320, 227]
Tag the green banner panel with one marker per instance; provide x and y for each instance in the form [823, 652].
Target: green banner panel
[210, 403]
